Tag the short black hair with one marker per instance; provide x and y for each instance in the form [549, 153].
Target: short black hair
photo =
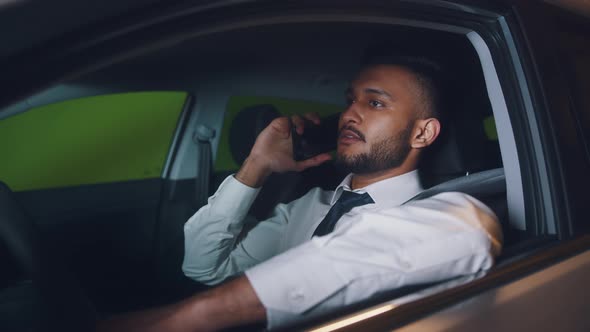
[428, 74]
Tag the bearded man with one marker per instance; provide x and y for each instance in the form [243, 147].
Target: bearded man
[329, 249]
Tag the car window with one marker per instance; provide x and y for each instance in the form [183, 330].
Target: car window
[99, 139]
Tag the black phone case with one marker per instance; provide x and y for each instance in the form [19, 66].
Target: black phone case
[316, 139]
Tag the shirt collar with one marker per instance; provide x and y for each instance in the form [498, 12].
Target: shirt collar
[393, 191]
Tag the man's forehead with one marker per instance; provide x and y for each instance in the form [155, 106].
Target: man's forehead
[383, 77]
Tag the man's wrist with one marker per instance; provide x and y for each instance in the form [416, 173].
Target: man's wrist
[253, 172]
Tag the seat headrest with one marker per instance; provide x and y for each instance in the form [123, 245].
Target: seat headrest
[247, 124]
[462, 148]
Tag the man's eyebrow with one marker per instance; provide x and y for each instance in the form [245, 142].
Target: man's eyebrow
[379, 92]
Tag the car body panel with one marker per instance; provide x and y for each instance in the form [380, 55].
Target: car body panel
[553, 299]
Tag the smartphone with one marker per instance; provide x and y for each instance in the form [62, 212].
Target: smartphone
[315, 139]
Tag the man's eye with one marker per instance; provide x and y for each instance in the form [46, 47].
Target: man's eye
[350, 101]
[375, 103]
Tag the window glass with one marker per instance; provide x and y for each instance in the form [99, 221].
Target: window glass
[224, 160]
[108, 138]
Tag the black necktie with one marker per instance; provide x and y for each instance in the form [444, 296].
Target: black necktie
[344, 204]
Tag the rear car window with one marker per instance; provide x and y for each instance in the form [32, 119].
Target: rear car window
[107, 138]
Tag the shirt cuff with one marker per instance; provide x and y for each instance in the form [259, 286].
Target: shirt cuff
[232, 198]
[288, 285]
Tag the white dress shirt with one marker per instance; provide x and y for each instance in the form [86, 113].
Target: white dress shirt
[373, 248]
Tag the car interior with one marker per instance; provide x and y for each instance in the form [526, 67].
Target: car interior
[119, 243]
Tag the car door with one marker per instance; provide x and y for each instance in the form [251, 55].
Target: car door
[88, 171]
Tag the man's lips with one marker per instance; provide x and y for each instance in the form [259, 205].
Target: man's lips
[350, 134]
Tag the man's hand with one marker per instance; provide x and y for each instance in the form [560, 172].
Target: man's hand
[273, 151]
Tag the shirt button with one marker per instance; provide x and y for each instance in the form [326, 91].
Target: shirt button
[296, 295]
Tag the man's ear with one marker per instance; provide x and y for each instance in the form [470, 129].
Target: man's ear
[425, 132]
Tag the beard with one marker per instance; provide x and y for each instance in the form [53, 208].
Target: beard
[388, 153]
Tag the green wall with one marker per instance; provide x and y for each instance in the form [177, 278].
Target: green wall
[89, 140]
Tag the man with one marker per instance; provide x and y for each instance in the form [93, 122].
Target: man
[317, 253]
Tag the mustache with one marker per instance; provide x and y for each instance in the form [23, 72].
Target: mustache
[354, 130]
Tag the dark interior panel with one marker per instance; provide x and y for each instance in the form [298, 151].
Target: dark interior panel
[104, 233]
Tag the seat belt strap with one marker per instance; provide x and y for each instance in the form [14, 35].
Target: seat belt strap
[203, 136]
[489, 182]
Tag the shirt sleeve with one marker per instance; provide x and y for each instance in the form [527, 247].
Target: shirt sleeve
[445, 236]
[212, 251]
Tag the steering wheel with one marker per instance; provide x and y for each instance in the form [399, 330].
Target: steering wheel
[64, 307]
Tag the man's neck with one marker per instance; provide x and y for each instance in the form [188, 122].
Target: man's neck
[363, 180]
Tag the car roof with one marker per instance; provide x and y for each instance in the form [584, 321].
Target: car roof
[38, 21]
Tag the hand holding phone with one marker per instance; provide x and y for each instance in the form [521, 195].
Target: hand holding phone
[316, 139]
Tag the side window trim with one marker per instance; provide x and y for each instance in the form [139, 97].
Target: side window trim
[514, 192]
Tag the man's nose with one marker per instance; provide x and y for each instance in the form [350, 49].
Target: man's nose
[351, 114]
